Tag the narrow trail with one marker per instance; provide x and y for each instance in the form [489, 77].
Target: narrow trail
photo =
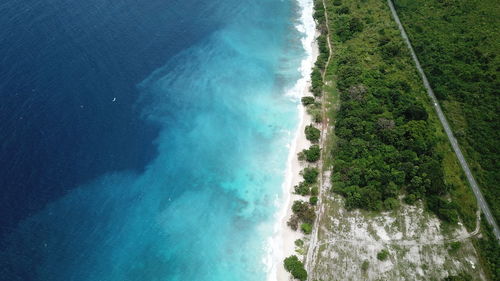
[313, 243]
[470, 178]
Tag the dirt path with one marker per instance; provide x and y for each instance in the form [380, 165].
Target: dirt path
[313, 243]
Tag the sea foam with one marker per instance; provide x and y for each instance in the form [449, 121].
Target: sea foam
[307, 28]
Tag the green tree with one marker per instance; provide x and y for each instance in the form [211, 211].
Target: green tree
[310, 175]
[312, 134]
[313, 200]
[306, 228]
[310, 155]
[293, 265]
[307, 100]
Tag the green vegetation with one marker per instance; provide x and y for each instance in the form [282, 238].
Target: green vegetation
[383, 255]
[307, 101]
[312, 134]
[317, 82]
[310, 155]
[302, 188]
[314, 191]
[454, 246]
[461, 277]
[489, 250]
[388, 139]
[313, 200]
[306, 228]
[457, 45]
[365, 265]
[302, 212]
[295, 267]
[299, 243]
[310, 175]
[315, 111]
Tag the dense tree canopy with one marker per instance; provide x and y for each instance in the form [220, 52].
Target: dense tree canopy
[386, 142]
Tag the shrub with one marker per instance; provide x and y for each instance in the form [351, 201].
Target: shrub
[299, 243]
[314, 191]
[310, 155]
[410, 199]
[365, 265]
[310, 175]
[293, 222]
[391, 203]
[313, 200]
[460, 277]
[316, 114]
[316, 82]
[304, 211]
[295, 267]
[302, 189]
[307, 100]
[343, 10]
[347, 27]
[454, 246]
[306, 228]
[383, 255]
[391, 50]
[312, 134]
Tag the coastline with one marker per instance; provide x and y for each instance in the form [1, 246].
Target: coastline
[282, 243]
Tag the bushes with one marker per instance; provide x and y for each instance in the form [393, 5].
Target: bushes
[293, 222]
[313, 200]
[306, 228]
[346, 27]
[307, 100]
[343, 10]
[304, 211]
[312, 134]
[365, 265]
[315, 112]
[445, 210]
[460, 277]
[489, 250]
[310, 155]
[383, 255]
[302, 188]
[314, 191]
[295, 267]
[310, 175]
[316, 82]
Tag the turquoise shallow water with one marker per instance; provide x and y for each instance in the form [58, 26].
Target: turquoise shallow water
[204, 206]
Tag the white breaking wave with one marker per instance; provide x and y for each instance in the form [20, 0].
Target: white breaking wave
[307, 27]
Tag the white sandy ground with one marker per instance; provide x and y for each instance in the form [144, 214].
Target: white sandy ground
[286, 236]
[418, 249]
[286, 243]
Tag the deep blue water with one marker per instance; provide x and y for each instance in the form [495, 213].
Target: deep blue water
[143, 140]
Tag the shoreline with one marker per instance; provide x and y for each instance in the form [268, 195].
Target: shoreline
[282, 242]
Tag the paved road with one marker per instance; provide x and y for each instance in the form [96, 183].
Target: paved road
[475, 188]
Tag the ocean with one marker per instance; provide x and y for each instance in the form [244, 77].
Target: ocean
[146, 140]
